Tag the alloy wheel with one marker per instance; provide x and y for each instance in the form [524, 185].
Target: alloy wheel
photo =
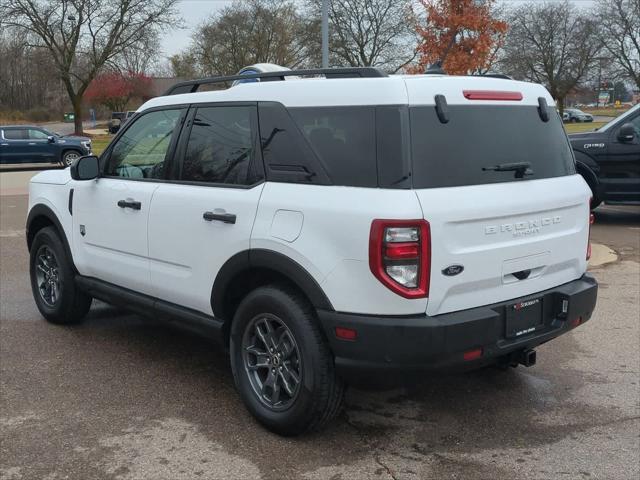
[48, 276]
[70, 157]
[272, 361]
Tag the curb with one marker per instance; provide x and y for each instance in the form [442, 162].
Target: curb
[601, 255]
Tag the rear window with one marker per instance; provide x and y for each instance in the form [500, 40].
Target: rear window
[477, 137]
[16, 134]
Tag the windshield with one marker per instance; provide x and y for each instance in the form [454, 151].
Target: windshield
[486, 144]
[621, 119]
[49, 132]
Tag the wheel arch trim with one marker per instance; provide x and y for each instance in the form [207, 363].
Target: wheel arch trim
[43, 211]
[247, 260]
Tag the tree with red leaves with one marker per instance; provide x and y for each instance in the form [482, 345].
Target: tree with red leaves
[461, 35]
[114, 90]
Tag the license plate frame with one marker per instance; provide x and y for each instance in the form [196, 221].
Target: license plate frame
[524, 317]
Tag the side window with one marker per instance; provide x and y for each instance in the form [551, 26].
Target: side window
[636, 124]
[16, 134]
[345, 140]
[287, 155]
[142, 149]
[222, 146]
[37, 135]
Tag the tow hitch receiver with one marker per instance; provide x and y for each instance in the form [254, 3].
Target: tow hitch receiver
[527, 358]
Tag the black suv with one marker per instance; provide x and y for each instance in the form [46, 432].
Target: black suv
[21, 144]
[609, 159]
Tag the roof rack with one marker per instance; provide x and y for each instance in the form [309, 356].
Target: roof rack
[494, 75]
[192, 86]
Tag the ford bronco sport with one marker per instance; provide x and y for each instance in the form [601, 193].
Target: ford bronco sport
[340, 223]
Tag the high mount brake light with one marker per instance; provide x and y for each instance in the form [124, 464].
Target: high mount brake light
[492, 95]
[400, 256]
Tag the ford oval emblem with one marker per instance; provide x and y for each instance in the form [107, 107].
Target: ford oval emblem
[452, 270]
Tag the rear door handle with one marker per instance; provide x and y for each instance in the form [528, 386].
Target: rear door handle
[220, 217]
[129, 204]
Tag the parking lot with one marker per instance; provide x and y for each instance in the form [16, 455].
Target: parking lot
[122, 397]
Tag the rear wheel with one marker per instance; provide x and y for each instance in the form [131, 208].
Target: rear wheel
[52, 280]
[282, 365]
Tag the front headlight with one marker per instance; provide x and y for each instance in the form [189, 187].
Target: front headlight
[87, 145]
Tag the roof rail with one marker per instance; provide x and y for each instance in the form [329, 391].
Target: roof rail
[192, 86]
[494, 75]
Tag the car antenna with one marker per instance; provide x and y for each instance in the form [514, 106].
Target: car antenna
[436, 67]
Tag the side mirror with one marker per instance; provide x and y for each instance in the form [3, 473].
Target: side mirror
[85, 168]
[51, 139]
[627, 133]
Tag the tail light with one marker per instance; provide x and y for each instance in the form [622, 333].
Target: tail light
[400, 256]
[592, 219]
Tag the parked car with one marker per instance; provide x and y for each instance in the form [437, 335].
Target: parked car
[609, 159]
[566, 117]
[116, 120]
[32, 144]
[576, 115]
[328, 229]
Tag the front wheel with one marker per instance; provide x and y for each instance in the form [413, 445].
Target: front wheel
[69, 157]
[52, 280]
[282, 365]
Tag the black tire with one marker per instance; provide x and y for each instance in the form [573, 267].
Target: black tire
[68, 305]
[320, 391]
[69, 156]
[595, 199]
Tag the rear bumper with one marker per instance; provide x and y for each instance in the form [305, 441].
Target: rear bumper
[430, 343]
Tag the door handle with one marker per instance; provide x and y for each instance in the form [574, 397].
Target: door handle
[129, 204]
[221, 217]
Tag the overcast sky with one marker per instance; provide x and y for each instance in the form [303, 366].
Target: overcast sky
[195, 12]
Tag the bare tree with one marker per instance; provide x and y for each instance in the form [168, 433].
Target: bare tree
[27, 78]
[140, 58]
[369, 33]
[184, 65]
[247, 32]
[620, 34]
[82, 36]
[553, 44]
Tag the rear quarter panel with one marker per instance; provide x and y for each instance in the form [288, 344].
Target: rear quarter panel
[333, 239]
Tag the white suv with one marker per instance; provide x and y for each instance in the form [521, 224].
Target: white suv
[324, 229]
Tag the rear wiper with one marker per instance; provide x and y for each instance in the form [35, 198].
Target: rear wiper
[521, 168]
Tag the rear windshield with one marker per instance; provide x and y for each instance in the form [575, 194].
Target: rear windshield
[479, 138]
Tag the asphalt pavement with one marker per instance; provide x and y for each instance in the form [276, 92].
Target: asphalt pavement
[121, 397]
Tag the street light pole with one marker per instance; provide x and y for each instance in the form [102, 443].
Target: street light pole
[325, 33]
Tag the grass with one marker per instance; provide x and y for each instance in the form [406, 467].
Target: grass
[99, 143]
[582, 127]
[606, 112]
